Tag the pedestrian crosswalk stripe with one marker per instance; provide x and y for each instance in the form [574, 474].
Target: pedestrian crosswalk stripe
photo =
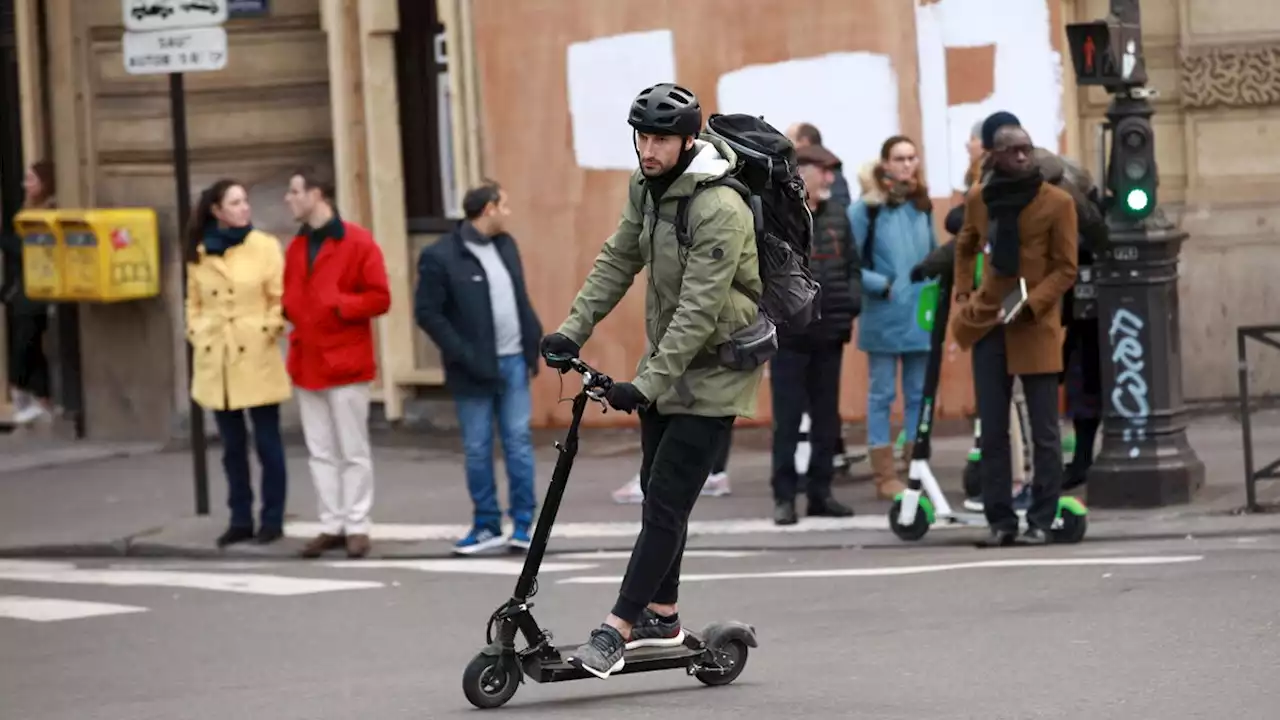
[893, 570]
[253, 584]
[472, 566]
[38, 609]
[626, 554]
[404, 532]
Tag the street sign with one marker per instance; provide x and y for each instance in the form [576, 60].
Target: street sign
[175, 51]
[148, 15]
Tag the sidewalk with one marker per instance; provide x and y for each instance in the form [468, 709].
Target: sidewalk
[115, 500]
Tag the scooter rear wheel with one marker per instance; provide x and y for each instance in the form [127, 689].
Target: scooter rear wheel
[1073, 528]
[732, 653]
[490, 680]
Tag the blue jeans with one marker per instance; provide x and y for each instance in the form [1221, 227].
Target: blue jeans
[881, 394]
[512, 408]
[235, 462]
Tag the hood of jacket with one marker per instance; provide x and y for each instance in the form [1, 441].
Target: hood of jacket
[873, 193]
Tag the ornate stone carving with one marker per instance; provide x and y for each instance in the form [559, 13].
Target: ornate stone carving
[1230, 76]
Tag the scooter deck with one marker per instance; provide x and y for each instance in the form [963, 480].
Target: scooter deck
[553, 667]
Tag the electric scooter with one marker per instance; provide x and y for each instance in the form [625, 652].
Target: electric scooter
[923, 504]
[715, 656]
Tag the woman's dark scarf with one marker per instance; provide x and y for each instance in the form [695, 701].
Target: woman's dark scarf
[217, 241]
[1006, 196]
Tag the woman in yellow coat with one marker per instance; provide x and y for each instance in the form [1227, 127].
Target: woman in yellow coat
[235, 280]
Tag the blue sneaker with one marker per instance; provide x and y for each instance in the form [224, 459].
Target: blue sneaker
[1022, 501]
[478, 540]
[520, 538]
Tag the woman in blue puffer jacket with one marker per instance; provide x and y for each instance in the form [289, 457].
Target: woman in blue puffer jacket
[893, 227]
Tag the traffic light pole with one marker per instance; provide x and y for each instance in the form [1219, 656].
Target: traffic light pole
[1145, 460]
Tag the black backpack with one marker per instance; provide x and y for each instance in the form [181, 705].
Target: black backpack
[767, 178]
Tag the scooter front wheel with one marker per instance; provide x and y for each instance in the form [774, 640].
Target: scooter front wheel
[490, 680]
[916, 530]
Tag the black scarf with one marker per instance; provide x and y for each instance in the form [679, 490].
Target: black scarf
[218, 240]
[1006, 196]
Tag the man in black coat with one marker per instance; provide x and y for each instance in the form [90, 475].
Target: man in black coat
[806, 371]
[472, 301]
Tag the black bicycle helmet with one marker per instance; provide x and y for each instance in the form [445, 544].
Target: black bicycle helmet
[666, 109]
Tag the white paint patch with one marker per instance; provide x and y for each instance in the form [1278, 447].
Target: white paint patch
[53, 610]
[1027, 82]
[604, 76]
[469, 566]
[852, 97]
[393, 532]
[252, 584]
[911, 569]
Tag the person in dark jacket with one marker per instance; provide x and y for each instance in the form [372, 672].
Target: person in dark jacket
[806, 371]
[472, 301]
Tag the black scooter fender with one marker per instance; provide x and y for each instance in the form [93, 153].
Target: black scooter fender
[493, 649]
[718, 633]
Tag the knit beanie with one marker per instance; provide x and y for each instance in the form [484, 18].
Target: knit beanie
[995, 122]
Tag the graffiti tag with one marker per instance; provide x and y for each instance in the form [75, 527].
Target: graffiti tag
[1129, 395]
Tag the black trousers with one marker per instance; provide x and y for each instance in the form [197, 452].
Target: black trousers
[722, 455]
[678, 452]
[28, 366]
[994, 390]
[800, 379]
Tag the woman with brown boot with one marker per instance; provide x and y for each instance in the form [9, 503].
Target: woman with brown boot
[893, 229]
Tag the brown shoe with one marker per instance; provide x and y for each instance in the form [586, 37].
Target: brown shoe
[908, 449]
[357, 546]
[887, 482]
[320, 543]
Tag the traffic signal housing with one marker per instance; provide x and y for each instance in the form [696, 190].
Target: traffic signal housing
[1133, 168]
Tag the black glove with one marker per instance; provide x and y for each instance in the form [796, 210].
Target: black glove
[917, 273]
[625, 397]
[560, 348]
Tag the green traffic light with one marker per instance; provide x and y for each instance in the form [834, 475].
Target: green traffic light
[1137, 200]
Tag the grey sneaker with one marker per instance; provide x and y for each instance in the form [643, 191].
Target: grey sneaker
[602, 654]
[653, 630]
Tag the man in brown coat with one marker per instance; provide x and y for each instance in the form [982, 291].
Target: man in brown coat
[1025, 230]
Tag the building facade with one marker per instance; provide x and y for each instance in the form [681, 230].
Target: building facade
[411, 101]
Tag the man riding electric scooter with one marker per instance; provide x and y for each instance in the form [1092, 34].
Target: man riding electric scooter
[699, 296]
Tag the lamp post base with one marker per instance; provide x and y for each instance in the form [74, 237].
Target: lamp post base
[1165, 472]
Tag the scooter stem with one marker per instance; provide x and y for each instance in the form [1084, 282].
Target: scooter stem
[559, 481]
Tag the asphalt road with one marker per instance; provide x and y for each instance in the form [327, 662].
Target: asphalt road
[1174, 629]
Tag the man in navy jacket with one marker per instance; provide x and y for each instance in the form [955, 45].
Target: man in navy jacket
[472, 301]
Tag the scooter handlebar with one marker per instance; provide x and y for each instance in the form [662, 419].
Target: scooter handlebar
[594, 382]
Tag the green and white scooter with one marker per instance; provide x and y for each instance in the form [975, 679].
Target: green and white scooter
[923, 503]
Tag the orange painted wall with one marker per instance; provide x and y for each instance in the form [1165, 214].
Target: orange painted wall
[562, 213]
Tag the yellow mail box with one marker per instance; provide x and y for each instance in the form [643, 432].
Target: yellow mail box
[41, 253]
[109, 255]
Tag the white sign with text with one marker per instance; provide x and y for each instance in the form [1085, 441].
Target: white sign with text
[175, 51]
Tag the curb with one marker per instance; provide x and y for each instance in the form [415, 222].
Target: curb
[840, 540]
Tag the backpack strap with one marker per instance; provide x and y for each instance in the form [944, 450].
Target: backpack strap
[869, 247]
[682, 218]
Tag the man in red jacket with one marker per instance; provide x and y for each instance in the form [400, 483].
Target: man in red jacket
[335, 284]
